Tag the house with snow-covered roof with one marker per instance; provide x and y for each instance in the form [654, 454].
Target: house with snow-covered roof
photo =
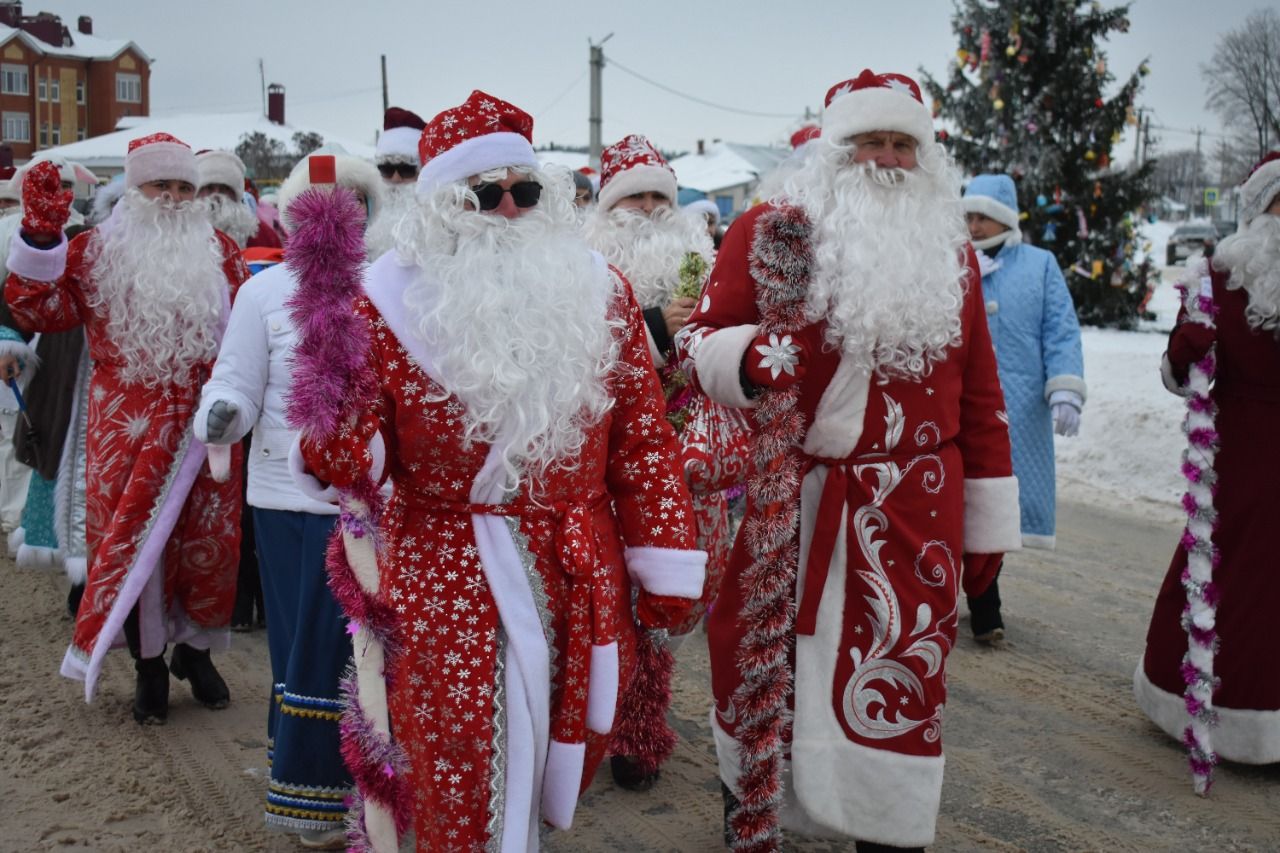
[59, 86]
[727, 172]
[105, 154]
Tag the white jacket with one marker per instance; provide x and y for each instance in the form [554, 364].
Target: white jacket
[253, 373]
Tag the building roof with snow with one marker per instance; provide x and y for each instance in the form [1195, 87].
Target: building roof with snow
[725, 165]
[105, 154]
[82, 46]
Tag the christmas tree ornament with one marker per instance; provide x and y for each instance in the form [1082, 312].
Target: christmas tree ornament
[1050, 234]
[985, 47]
[1041, 201]
[1100, 67]
[1082, 225]
[998, 104]
[1089, 155]
[1032, 127]
[1095, 270]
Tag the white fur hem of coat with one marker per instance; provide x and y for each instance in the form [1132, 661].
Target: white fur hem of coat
[992, 519]
[837, 422]
[1243, 736]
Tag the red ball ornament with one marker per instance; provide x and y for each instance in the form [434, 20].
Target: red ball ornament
[1097, 102]
[942, 136]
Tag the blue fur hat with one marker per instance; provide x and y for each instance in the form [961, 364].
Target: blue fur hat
[994, 197]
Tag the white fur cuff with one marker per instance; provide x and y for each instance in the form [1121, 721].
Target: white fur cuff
[602, 691]
[1066, 382]
[561, 782]
[667, 571]
[1169, 380]
[37, 264]
[992, 520]
[718, 364]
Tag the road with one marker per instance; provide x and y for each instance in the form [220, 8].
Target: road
[1046, 749]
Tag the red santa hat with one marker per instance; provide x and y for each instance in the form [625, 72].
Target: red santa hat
[222, 168]
[874, 101]
[805, 134]
[632, 165]
[401, 130]
[482, 133]
[1260, 188]
[159, 157]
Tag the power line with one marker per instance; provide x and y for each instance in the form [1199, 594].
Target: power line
[695, 98]
[560, 97]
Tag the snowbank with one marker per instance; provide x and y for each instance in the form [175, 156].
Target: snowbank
[1129, 448]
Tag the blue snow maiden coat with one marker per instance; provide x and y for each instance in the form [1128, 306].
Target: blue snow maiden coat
[1037, 342]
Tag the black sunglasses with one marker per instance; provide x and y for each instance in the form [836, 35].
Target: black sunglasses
[524, 194]
[404, 170]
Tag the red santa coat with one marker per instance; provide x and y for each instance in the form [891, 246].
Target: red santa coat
[902, 478]
[514, 617]
[150, 500]
[1246, 390]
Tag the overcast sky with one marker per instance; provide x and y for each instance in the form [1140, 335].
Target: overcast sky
[776, 57]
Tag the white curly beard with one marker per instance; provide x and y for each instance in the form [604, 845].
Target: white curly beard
[1253, 257]
[233, 218]
[648, 249]
[889, 257]
[514, 312]
[398, 200]
[159, 284]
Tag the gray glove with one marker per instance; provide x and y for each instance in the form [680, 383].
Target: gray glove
[221, 414]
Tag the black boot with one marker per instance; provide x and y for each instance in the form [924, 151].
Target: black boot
[984, 615]
[151, 693]
[628, 774]
[730, 806]
[207, 686]
[73, 598]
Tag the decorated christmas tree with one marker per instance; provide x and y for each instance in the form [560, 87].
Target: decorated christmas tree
[1025, 96]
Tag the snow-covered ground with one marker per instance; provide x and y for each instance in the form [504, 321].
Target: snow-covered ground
[1129, 448]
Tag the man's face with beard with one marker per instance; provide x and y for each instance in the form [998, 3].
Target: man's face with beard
[507, 207]
[887, 149]
[176, 191]
[646, 202]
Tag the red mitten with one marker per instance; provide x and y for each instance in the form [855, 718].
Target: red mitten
[662, 611]
[1189, 343]
[45, 204]
[775, 361]
[979, 571]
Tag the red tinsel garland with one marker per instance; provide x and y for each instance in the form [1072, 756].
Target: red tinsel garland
[781, 262]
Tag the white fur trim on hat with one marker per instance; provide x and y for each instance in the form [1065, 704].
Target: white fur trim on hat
[865, 110]
[352, 172]
[990, 208]
[160, 161]
[399, 144]
[473, 156]
[1259, 191]
[220, 167]
[638, 179]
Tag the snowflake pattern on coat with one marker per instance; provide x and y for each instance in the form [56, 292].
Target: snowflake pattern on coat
[626, 489]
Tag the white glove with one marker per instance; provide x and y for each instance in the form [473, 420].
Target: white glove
[1065, 406]
[221, 415]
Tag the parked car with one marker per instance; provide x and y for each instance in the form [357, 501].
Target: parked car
[1188, 239]
[1226, 227]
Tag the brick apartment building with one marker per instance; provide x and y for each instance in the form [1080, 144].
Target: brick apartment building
[59, 86]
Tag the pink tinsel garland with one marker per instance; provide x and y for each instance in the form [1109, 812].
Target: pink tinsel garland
[332, 384]
[781, 262]
[1200, 614]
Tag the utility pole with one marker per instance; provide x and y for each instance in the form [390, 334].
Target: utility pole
[1197, 192]
[596, 120]
[1137, 139]
[262, 73]
[385, 104]
[1146, 141]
